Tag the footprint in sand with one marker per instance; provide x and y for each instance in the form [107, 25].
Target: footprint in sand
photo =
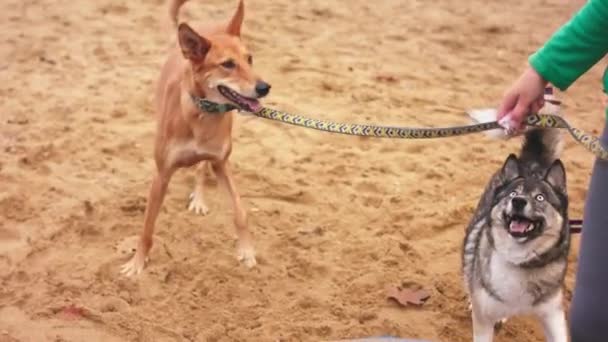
[127, 246]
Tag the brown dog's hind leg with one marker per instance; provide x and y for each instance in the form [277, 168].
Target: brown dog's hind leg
[197, 199]
[158, 189]
[245, 250]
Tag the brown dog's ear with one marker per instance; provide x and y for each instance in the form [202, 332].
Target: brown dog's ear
[194, 47]
[234, 27]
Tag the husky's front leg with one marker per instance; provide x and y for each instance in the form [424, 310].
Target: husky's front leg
[483, 328]
[554, 323]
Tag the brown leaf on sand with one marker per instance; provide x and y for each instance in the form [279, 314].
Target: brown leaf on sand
[407, 296]
[387, 78]
[72, 312]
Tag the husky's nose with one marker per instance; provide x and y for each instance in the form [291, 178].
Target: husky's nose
[262, 88]
[519, 203]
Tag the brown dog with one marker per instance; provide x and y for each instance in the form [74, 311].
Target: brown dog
[211, 63]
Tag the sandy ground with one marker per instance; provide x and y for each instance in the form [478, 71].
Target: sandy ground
[336, 219]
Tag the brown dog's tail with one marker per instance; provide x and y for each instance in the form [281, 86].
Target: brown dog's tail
[174, 6]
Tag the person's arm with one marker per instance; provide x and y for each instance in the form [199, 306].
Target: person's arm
[572, 50]
[575, 47]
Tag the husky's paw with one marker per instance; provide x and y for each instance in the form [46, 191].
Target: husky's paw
[134, 266]
[246, 255]
[498, 325]
[197, 204]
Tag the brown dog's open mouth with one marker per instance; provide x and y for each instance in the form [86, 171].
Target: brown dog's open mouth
[246, 103]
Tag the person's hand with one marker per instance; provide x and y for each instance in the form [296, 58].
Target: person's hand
[525, 96]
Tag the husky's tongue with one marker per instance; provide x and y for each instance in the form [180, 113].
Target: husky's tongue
[519, 226]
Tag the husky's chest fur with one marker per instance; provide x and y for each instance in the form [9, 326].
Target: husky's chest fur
[501, 288]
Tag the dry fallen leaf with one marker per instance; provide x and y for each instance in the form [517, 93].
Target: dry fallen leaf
[72, 312]
[386, 78]
[407, 296]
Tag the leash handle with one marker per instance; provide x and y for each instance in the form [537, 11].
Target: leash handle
[576, 226]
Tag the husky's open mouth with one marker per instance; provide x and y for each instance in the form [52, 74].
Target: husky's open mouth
[246, 103]
[520, 226]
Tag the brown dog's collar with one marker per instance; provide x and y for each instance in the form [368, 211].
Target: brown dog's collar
[212, 107]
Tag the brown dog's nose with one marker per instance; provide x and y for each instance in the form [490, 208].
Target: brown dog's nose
[262, 88]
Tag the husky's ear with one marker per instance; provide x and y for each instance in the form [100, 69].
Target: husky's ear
[194, 47]
[556, 176]
[510, 170]
[234, 27]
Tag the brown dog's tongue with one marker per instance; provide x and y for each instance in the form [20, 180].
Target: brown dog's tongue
[254, 105]
[519, 226]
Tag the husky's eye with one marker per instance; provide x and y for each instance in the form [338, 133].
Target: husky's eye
[250, 59]
[513, 194]
[229, 64]
[540, 197]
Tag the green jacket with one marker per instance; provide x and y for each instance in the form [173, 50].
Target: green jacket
[575, 47]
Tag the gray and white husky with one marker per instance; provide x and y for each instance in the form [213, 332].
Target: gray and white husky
[515, 250]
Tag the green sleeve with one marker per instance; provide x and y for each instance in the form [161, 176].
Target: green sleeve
[575, 47]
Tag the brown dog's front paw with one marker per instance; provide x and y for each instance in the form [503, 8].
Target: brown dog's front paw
[134, 266]
[246, 255]
[197, 204]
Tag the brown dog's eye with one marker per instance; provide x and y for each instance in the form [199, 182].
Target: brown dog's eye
[250, 59]
[229, 64]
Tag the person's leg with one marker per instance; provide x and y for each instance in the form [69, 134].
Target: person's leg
[589, 311]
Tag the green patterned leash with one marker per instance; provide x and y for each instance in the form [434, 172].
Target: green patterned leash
[590, 142]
